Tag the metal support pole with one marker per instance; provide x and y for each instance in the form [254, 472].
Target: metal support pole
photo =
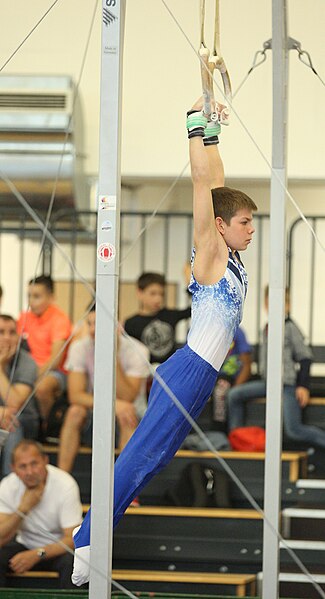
[272, 484]
[113, 13]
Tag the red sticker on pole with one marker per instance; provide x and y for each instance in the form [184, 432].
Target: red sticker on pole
[106, 252]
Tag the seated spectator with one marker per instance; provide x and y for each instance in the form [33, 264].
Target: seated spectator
[131, 374]
[296, 365]
[235, 370]
[46, 329]
[154, 324]
[39, 508]
[18, 373]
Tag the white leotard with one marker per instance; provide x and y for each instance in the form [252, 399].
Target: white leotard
[217, 312]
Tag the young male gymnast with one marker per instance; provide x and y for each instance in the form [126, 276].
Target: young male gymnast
[223, 224]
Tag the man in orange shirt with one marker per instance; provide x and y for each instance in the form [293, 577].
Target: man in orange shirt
[46, 328]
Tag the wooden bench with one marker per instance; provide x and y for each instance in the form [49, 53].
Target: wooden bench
[243, 583]
[296, 460]
[248, 466]
[191, 512]
[169, 537]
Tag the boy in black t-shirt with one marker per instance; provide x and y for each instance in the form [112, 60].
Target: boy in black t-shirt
[155, 325]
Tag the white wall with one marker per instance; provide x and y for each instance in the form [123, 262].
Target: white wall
[162, 77]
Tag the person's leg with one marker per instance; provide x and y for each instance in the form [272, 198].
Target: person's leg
[163, 427]
[6, 553]
[30, 422]
[74, 421]
[219, 394]
[126, 421]
[48, 389]
[158, 436]
[292, 419]
[236, 399]
[62, 564]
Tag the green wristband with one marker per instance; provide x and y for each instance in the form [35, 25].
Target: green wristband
[212, 129]
[196, 119]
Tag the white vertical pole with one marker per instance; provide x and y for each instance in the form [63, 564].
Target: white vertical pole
[113, 14]
[272, 484]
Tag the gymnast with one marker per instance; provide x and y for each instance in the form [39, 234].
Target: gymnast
[223, 225]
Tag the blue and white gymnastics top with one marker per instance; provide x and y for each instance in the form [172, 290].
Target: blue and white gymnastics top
[217, 311]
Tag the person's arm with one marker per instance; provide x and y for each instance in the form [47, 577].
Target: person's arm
[127, 387]
[77, 390]
[25, 560]
[301, 354]
[10, 523]
[183, 314]
[303, 381]
[203, 216]
[245, 371]
[13, 395]
[55, 549]
[8, 420]
[55, 358]
[207, 173]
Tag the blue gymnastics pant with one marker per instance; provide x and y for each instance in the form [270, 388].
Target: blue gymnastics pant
[161, 431]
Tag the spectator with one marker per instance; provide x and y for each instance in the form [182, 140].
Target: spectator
[154, 324]
[131, 374]
[296, 365]
[39, 507]
[235, 370]
[46, 329]
[18, 373]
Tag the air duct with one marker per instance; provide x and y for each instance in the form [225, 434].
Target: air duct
[41, 141]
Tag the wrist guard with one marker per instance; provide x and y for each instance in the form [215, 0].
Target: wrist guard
[211, 133]
[195, 123]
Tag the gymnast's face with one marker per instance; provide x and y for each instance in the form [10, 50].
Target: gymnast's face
[239, 233]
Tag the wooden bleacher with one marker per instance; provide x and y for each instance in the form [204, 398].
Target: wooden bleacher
[174, 549]
[165, 580]
[241, 584]
[249, 466]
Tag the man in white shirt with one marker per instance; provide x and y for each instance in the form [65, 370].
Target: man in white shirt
[132, 371]
[39, 508]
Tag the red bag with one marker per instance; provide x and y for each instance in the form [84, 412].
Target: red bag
[247, 438]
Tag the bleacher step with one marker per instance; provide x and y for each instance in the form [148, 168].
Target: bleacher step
[303, 512]
[303, 523]
[296, 577]
[295, 584]
[311, 483]
[243, 584]
[305, 545]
